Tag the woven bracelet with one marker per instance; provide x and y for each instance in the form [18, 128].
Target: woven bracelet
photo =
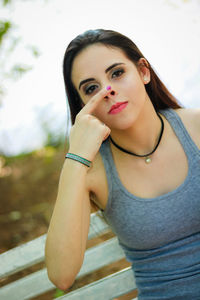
[78, 158]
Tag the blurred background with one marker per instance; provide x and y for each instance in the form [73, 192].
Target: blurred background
[34, 119]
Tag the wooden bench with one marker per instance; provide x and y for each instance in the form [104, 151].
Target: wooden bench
[37, 283]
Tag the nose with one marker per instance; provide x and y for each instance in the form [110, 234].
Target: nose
[112, 92]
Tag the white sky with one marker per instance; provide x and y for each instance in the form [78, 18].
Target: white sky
[166, 31]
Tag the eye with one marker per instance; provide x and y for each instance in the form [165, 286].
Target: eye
[90, 89]
[117, 73]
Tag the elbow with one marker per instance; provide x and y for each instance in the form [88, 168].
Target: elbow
[61, 282]
[62, 275]
[64, 284]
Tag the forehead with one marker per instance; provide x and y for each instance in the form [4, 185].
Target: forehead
[94, 59]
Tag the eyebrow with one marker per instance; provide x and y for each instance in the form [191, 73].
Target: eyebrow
[106, 71]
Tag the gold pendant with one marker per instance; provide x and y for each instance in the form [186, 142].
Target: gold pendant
[148, 160]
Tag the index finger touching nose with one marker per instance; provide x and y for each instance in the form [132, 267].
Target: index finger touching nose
[94, 101]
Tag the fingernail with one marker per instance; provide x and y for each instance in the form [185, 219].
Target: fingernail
[108, 87]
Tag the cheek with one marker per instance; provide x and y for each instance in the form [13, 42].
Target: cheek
[130, 83]
[136, 87]
[83, 101]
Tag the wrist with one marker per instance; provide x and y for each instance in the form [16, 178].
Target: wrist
[75, 167]
[80, 153]
[78, 159]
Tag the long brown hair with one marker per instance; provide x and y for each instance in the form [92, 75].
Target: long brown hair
[160, 96]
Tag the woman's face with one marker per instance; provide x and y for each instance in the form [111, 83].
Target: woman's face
[97, 67]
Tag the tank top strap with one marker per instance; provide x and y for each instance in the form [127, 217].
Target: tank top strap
[108, 162]
[181, 132]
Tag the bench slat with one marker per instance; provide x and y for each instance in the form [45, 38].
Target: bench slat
[31, 253]
[107, 288]
[37, 283]
[118, 286]
[101, 255]
[28, 287]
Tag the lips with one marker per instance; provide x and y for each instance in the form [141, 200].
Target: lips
[118, 107]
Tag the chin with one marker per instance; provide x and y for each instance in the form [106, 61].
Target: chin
[123, 125]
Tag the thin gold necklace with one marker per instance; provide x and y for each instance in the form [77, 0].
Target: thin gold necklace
[147, 156]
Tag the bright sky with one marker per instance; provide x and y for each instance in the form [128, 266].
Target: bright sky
[166, 31]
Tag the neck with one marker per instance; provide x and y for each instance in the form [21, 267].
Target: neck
[142, 136]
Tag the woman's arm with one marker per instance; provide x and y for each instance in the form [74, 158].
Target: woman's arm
[68, 230]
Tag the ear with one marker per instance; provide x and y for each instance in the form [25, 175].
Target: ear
[143, 69]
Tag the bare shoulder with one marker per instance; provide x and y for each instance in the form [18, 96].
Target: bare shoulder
[191, 119]
[97, 182]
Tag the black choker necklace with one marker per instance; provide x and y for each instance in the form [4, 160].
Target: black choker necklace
[147, 158]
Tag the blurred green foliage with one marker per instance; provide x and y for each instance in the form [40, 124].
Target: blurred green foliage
[58, 293]
[9, 40]
[4, 28]
[18, 70]
[5, 2]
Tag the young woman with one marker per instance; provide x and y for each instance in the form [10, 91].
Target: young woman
[135, 153]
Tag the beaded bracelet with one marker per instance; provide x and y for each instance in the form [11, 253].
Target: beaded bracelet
[78, 158]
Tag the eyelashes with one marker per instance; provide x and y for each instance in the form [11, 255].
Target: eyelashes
[88, 90]
[117, 73]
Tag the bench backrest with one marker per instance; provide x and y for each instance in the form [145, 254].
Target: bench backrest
[96, 257]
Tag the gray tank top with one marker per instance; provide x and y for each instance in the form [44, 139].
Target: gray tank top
[160, 236]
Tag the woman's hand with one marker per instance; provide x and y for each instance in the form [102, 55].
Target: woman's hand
[88, 132]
